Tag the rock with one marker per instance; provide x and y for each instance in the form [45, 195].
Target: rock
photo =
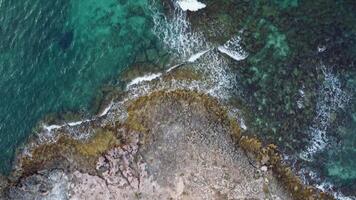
[264, 168]
[3, 185]
[190, 153]
[49, 185]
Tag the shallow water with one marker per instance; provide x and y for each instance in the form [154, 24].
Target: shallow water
[300, 78]
[55, 55]
[295, 75]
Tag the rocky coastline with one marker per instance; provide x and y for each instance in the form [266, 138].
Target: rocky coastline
[162, 144]
[173, 132]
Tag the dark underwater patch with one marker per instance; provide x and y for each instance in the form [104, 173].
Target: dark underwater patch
[66, 40]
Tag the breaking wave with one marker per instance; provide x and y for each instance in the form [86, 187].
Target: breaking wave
[176, 34]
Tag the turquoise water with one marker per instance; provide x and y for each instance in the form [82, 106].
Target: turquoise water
[55, 55]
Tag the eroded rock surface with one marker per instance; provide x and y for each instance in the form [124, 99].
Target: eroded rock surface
[173, 147]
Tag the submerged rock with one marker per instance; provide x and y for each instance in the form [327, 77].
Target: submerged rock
[66, 40]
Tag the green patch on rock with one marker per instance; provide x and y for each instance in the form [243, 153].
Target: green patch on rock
[101, 142]
[81, 153]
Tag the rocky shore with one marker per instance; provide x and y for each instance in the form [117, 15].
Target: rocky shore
[159, 142]
[174, 132]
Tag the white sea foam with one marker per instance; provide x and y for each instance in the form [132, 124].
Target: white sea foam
[218, 80]
[174, 67]
[233, 49]
[191, 59]
[196, 56]
[148, 77]
[322, 48]
[223, 81]
[233, 54]
[328, 187]
[191, 5]
[176, 35]
[106, 110]
[330, 98]
[53, 127]
[79, 122]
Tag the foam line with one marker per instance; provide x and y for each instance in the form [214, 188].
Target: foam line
[106, 110]
[196, 56]
[232, 54]
[144, 78]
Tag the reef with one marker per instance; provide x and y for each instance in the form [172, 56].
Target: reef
[297, 83]
[288, 52]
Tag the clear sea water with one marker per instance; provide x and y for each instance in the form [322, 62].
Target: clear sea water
[55, 55]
